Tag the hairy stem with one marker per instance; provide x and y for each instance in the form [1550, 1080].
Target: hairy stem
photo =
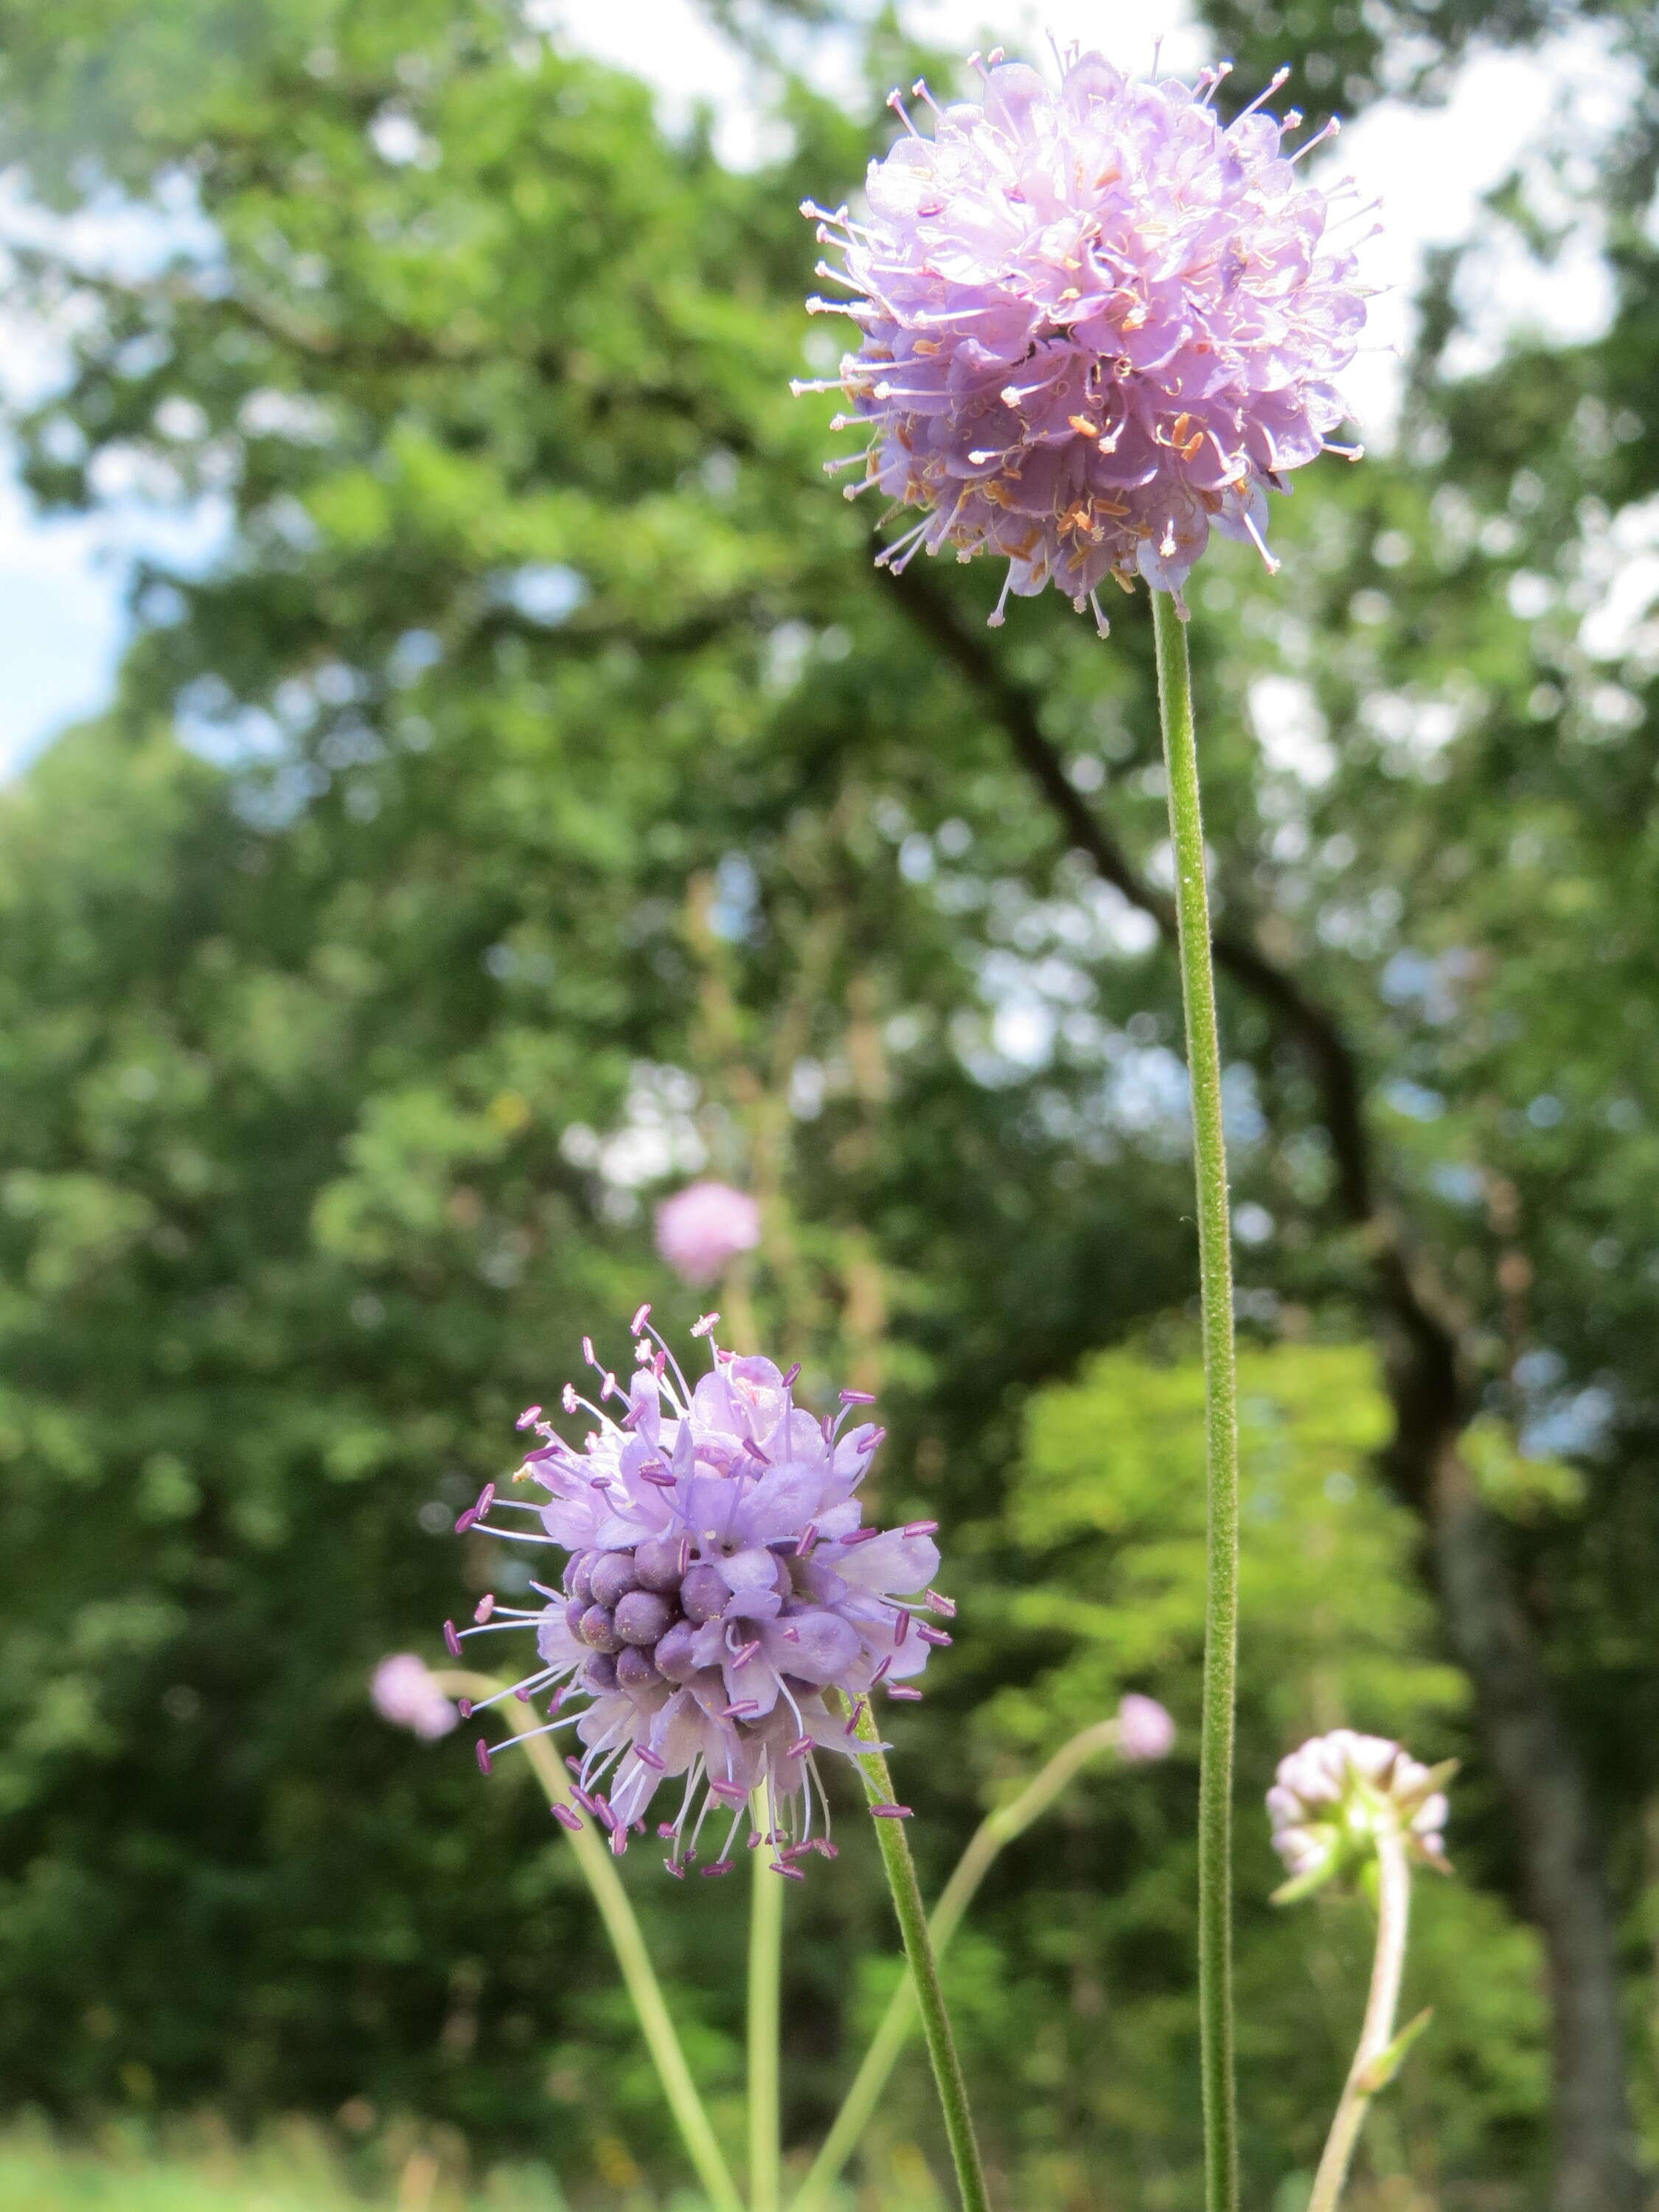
[1393, 1919]
[765, 1968]
[627, 1940]
[994, 1832]
[1215, 1995]
[901, 1871]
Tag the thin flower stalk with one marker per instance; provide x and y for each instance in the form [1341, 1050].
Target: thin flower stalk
[995, 1831]
[901, 1871]
[1371, 2069]
[765, 1971]
[1215, 1992]
[645, 1993]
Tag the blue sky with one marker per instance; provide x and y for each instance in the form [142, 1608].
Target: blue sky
[63, 580]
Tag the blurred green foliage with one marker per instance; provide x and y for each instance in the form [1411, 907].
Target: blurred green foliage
[538, 796]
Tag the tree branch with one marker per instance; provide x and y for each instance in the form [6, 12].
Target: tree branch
[1559, 1845]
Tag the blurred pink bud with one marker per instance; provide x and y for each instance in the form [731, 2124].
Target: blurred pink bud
[703, 1227]
[1145, 1729]
[406, 1693]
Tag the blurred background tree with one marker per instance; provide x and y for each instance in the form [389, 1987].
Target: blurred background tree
[540, 798]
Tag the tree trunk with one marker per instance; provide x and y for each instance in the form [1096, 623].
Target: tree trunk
[1559, 1846]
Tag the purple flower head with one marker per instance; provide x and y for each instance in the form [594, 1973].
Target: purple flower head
[1096, 322]
[703, 1227]
[1145, 1729]
[720, 1585]
[1330, 1797]
[405, 1693]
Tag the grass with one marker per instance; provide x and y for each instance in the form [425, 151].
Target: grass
[291, 2168]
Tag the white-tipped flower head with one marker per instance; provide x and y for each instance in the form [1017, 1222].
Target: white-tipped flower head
[1332, 1797]
[406, 1693]
[725, 1612]
[1096, 322]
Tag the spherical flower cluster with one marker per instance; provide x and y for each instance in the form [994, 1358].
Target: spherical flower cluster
[702, 1228]
[1145, 1729]
[405, 1694]
[1096, 322]
[724, 1606]
[1330, 1797]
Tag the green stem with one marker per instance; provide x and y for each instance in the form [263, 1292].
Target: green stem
[1393, 1922]
[765, 1967]
[901, 1870]
[994, 1832]
[627, 1940]
[1215, 1995]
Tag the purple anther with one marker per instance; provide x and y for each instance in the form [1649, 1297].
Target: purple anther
[901, 1629]
[934, 1636]
[938, 1603]
[860, 1536]
[464, 1707]
[903, 1690]
[922, 1527]
[485, 1499]
[531, 1415]
[452, 1642]
[567, 1818]
[729, 1793]
[800, 1747]
[865, 1446]
[654, 1472]
[618, 1841]
[789, 1872]
[569, 1398]
[744, 1653]
[588, 1351]
[465, 1521]
[744, 1709]
[825, 1849]
[646, 1757]
[808, 1537]
[701, 1326]
[522, 1692]
[484, 1608]
[880, 1674]
[674, 1866]
[858, 1397]
[719, 1867]
[639, 1320]
[891, 1811]
[483, 1756]
[793, 1377]
[665, 1832]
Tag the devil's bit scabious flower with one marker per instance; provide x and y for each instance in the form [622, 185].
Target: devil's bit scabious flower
[1328, 1797]
[720, 1583]
[405, 1694]
[703, 1227]
[1145, 1729]
[1097, 321]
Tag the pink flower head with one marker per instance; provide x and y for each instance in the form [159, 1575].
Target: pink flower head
[1096, 322]
[721, 1587]
[405, 1693]
[1329, 1798]
[1145, 1729]
[703, 1227]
